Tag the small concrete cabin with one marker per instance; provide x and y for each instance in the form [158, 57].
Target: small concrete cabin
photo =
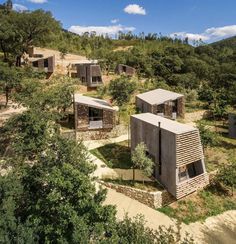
[93, 114]
[176, 150]
[161, 102]
[46, 64]
[90, 74]
[125, 69]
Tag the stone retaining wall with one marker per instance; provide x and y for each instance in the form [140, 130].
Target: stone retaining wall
[152, 199]
[101, 134]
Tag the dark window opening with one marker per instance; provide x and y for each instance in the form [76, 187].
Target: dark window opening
[160, 109]
[95, 114]
[174, 106]
[190, 171]
[83, 79]
[96, 79]
[124, 69]
[45, 63]
[35, 64]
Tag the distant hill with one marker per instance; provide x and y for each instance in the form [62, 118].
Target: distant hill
[229, 42]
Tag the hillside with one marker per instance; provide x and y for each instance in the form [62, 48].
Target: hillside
[229, 42]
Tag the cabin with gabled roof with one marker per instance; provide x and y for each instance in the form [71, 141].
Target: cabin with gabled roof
[161, 102]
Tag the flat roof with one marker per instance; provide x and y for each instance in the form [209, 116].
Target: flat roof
[159, 96]
[93, 102]
[166, 124]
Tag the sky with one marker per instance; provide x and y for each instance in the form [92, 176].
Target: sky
[209, 20]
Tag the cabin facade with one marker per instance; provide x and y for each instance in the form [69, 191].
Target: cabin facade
[93, 114]
[47, 64]
[176, 151]
[161, 102]
[90, 74]
[125, 69]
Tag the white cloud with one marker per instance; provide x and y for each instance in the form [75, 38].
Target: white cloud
[224, 31]
[19, 7]
[210, 34]
[37, 1]
[100, 30]
[134, 9]
[114, 21]
[190, 36]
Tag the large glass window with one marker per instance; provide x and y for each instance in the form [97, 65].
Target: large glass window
[95, 114]
[190, 171]
[160, 109]
[45, 63]
[96, 79]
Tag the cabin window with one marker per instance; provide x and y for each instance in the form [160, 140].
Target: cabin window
[45, 63]
[190, 171]
[95, 118]
[95, 114]
[35, 64]
[83, 79]
[160, 109]
[96, 79]
[124, 69]
[174, 106]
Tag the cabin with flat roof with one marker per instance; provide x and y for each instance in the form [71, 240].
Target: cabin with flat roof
[161, 102]
[125, 69]
[176, 150]
[90, 74]
[93, 114]
[46, 64]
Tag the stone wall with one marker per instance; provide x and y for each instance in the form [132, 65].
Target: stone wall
[82, 117]
[108, 119]
[154, 200]
[181, 107]
[101, 134]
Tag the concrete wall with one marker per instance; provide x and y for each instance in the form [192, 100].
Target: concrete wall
[149, 134]
[130, 71]
[87, 71]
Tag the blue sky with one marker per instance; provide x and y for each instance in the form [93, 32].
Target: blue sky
[206, 19]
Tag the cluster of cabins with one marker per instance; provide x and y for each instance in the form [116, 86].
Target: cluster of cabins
[174, 147]
[88, 71]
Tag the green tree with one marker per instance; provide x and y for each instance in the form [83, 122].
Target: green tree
[208, 138]
[141, 160]
[227, 175]
[30, 132]
[22, 30]
[9, 79]
[121, 90]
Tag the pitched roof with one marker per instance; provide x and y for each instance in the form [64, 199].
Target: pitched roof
[93, 102]
[166, 124]
[159, 96]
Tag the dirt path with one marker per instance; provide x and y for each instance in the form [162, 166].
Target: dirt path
[99, 143]
[9, 112]
[219, 229]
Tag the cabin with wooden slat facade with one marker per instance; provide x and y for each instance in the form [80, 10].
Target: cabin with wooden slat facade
[176, 150]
